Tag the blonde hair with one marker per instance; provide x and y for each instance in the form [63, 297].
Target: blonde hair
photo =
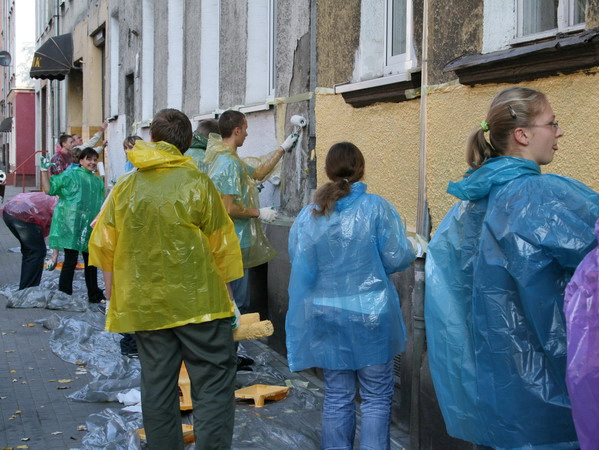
[512, 108]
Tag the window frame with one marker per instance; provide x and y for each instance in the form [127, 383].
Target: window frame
[565, 12]
[402, 63]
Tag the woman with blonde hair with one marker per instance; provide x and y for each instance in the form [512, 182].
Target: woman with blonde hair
[344, 314]
[496, 271]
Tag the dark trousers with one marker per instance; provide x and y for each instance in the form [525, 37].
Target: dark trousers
[65, 282]
[207, 349]
[33, 249]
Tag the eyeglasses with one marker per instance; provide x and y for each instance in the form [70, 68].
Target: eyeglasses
[555, 125]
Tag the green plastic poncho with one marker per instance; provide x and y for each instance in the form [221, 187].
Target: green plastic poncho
[166, 237]
[80, 194]
[232, 176]
[197, 151]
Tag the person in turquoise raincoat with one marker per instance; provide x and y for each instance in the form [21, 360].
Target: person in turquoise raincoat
[344, 314]
[496, 271]
[197, 150]
[80, 195]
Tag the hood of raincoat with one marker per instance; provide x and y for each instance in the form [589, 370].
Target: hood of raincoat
[153, 155]
[215, 147]
[357, 189]
[199, 141]
[496, 171]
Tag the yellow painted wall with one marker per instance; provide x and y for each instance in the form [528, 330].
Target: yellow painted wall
[387, 135]
[454, 111]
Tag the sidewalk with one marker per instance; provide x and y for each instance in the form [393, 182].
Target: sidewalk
[47, 418]
[34, 405]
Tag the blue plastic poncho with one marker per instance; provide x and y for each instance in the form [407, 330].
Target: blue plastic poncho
[232, 176]
[581, 306]
[80, 194]
[496, 272]
[197, 151]
[344, 310]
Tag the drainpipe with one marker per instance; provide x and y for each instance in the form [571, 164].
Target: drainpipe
[56, 82]
[422, 228]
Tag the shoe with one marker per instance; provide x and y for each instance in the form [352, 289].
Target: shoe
[101, 307]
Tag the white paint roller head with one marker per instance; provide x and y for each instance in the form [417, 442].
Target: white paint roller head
[298, 121]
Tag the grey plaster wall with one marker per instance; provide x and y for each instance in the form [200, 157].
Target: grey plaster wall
[233, 52]
[455, 29]
[130, 41]
[191, 57]
[160, 54]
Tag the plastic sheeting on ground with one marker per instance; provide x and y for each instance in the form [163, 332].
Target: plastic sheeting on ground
[46, 295]
[293, 422]
[581, 306]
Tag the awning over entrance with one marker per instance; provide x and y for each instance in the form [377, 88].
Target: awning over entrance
[53, 60]
[6, 125]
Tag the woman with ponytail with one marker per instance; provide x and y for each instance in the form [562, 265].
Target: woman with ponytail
[496, 271]
[344, 314]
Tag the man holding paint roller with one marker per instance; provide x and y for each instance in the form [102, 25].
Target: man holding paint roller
[236, 181]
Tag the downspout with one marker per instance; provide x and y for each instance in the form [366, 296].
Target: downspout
[56, 84]
[422, 228]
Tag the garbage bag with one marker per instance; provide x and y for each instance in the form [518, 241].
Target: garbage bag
[496, 271]
[231, 176]
[581, 306]
[164, 282]
[80, 194]
[344, 310]
[32, 207]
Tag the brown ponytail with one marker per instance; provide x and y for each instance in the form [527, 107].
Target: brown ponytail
[344, 165]
[514, 107]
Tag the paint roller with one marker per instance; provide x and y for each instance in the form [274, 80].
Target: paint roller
[299, 123]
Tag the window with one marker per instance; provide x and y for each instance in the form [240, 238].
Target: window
[398, 40]
[260, 51]
[541, 16]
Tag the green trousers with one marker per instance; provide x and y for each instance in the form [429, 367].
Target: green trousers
[209, 355]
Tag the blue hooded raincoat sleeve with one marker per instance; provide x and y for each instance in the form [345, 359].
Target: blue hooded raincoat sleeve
[344, 311]
[496, 272]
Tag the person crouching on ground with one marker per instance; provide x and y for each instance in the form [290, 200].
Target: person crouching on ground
[344, 314]
[80, 195]
[167, 248]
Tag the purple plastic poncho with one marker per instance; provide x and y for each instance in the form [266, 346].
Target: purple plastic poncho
[581, 307]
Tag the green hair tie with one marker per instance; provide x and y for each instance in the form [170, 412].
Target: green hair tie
[485, 126]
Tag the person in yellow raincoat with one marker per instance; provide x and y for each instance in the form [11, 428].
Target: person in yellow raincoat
[168, 248]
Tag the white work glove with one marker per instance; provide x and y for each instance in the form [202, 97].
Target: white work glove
[267, 214]
[45, 164]
[290, 142]
[236, 318]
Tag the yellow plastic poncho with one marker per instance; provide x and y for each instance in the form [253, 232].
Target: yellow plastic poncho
[166, 237]
[232, 176]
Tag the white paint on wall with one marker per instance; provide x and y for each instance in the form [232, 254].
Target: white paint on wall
[147, 61]
[174, 94]
[258, 51]
[113, 40]
[498, 24]
[209, 45]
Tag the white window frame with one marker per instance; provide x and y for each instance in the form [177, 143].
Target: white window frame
[405, 61]
[209, 56]
[565, 13]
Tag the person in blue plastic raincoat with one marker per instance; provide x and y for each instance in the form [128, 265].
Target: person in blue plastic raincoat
[496, 271]
[80, 193]
[344, 314]
[236, 181]
[168, 248]
[197, 150]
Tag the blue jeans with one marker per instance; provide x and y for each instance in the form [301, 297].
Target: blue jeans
[339, 414]
[240, 288]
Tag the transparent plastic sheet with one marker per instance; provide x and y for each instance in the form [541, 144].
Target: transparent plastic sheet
[81, 339]
[496, 270]
[232, 176]
[46, 295]
[344, 312]
[112, 430]
[581, 306]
